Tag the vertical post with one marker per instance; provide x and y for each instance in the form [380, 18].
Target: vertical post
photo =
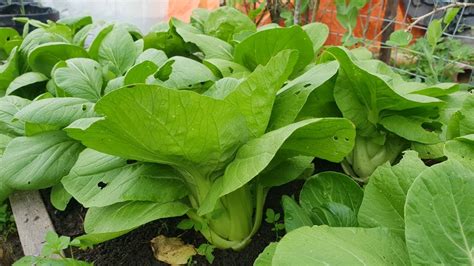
[388, 27]
[297, 14]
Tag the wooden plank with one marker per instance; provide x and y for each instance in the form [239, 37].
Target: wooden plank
[32, 220]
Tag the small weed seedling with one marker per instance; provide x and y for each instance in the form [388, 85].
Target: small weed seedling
[273, 217]
[207, 250]
[52, 253]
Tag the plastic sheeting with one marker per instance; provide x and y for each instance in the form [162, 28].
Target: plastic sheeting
[142, 13]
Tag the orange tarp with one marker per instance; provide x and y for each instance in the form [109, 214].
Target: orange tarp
[182, 9]
[369, 24]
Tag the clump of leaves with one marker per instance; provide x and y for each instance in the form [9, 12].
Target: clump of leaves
[52, 253]
[207, 92]
[383, 106]
[7, 222]
[402, 208]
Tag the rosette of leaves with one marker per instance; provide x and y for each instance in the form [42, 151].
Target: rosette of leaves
[409, 214]
[212, 155]
[49, 80]
[186, 130]
[390, 114]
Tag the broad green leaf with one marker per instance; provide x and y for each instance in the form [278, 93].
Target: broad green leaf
[228, 68]
[198, 17]
[254, 97]
[80, 77]
[156, 56]
[76, 23]
[439, 215]
[224, 22]
[168, 126]
[101, 31]
[114, 84]
[265, 258]
[428, 151]
[59, 112]
[12, 44]
[211, 47]
[323, 245]
[4, 140]
[99, 180]
[260, 47]
[320, 192]
[318, 33]
[81, 36]
[9, 71]
[102, 224]
[139, 46]
[60, 197]
[116, 49]
[9, 106]
[385, 195]
[53, 34]
[309, 95]
[27, 82]
[45, 56]
[132, 29]
[400, 38]
[165, 38]
[434, 32]
[362, 95]
[399, 124]
[362, 53]
[32, 129]
[334, 214]
[222, 88]
[184, 73]
[39, 161]
[140, 72]
[327, 138]
[466, 120]
[7, 34]
[40, 261]
[285, 171]
[461, 149]
[294, 216]
[437, 90]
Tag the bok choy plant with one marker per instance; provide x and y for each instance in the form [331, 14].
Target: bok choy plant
[185, 120]
[409, 213]
[217, 151]
[390, 114]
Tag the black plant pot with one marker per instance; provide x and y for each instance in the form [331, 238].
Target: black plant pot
[32, 11]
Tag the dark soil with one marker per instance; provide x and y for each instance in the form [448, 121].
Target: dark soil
[10, 245]
[134, 248]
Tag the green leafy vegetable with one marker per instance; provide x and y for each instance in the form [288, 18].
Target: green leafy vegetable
[322, 245]
[439, 217]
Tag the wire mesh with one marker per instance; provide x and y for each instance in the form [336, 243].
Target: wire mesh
[373, 27]
[371, 19]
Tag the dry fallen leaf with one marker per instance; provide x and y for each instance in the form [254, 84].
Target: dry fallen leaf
[172, 250]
